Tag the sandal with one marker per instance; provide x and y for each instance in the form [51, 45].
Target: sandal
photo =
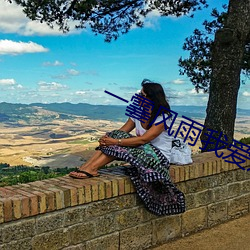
[87, 175]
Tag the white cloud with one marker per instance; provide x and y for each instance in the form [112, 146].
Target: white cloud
[73, 72]
[7, 82]
[55, 63]
[51, 86]
[178, 81]
[246, 93]
[13, 20]
[80, 92]
[15, 48]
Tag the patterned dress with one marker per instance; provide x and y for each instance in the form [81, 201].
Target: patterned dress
[149, 173]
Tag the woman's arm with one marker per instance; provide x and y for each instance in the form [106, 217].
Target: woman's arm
[135, 141]
[128, 126]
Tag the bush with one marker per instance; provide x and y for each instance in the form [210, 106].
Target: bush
[23, 174]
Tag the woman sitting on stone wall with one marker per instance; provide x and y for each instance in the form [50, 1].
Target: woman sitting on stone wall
[148, 153]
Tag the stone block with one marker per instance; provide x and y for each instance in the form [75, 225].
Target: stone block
[99, 208]
[217, 213]
[196, 185]
[166, 228]
[220, 193]
[136, 238]
[18, 230]
[182, 186]
[74, 215]
[245, 186]
[107, 242]
[190, 202]
[240, 175]
[76, 247]
[49, 222]
[194, 220]
[234, 189]
[238, 206]
[131, 217]
[53, 240]
[105, 224]
[80, 233]
[24, 244]
[204, 198]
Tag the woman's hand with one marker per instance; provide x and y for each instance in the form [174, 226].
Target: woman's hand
[107, 141]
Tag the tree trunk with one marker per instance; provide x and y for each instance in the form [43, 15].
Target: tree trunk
[227, 57]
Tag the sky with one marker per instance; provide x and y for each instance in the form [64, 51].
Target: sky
[40, 64]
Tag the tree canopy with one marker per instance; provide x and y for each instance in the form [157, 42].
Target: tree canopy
[108, 17]
[198, 66]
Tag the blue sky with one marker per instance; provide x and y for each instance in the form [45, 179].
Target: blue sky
[38, 64]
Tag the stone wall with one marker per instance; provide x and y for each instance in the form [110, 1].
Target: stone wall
[105, 212]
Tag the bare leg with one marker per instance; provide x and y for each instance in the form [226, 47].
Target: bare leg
[98, 160]
[92, 159]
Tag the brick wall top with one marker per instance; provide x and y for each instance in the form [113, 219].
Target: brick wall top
[25, 200]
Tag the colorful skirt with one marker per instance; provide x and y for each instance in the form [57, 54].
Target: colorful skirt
[149, 173]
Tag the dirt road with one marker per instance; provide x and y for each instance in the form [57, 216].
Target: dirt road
[233, 235]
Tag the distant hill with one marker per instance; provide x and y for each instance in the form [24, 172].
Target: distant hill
[47, 112]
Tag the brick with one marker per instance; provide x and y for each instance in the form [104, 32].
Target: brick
[138, 237]
[177, 174]
[127, 185]
[108, 188]
[219, 166]
[186, 172]
[110, 242]
[121, 185]
[95, 191]
[7, 209]
[33, 201]
[88, 193]
[166, 228]
[25, 204]
[78, 184]
[210, 168]
[182, 174]
[217, 213]
[201, 170]
[17, 212]
[115, 189]
[214, 166]
[73, 194]
[59, 198]
[194, 220]
[172, 174]
[66, 195]
[101, 191]
[1, 211]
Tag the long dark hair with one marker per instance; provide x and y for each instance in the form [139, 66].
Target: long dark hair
[156, 94]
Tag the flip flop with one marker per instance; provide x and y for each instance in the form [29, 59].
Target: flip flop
[87, 175]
